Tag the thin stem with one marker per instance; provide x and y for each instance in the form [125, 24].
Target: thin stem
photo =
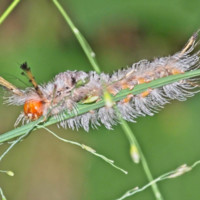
[8, 10]
[87, 148]
[84, 44]
[145, 166]
[20, 138]
[8, 172]
[90, 54]
[172, 174]
[2, 195]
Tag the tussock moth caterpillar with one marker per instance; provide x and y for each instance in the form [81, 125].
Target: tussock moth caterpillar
[72, 87]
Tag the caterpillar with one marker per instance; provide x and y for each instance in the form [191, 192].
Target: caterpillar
[70, 88]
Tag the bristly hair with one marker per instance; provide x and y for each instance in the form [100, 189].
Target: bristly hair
[24, 66]
[72, 87]
[27, 72]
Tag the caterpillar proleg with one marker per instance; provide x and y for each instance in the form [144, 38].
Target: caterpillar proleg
[70, 88]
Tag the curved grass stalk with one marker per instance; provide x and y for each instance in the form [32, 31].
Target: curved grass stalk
[84, 44]
[87, 148]
[172, 174]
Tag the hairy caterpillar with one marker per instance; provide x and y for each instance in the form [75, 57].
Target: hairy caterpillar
[72, 87]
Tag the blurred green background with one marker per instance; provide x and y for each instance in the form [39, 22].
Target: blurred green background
[121, 33]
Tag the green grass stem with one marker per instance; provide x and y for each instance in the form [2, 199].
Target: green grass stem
[145, 166]
[84, 44]
[8, 10]
[169, 175]
[87, 148]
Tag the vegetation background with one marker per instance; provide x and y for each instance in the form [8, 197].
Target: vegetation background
[121, 33]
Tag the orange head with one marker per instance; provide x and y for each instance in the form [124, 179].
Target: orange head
[33, 109]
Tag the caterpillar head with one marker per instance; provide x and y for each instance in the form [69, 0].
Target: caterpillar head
[33, 109]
